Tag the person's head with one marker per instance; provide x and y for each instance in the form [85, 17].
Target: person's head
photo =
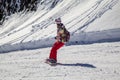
[58, 20]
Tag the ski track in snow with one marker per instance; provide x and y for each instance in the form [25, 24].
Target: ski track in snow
[36, 32]
[100, 61]
[76, 24]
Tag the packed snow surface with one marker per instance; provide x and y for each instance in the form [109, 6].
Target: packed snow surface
[100, 61]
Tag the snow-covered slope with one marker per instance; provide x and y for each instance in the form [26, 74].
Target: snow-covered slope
[99, 61]
[88, 21]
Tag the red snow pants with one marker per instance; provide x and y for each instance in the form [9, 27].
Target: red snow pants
[53, 53]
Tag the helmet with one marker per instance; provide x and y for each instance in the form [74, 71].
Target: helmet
[58, 20]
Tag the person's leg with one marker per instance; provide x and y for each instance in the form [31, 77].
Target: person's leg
[53, 53]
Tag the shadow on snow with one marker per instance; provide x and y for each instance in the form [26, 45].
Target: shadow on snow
[79, 64]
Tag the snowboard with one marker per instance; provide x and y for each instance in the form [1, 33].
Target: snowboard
[51, 64]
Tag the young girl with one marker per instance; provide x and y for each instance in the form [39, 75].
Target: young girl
[62, 37]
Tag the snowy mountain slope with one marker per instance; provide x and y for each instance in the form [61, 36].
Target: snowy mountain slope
[100, 61]
[81, 18]
[110, 20]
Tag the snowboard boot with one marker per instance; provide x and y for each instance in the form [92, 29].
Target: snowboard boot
[51, 61]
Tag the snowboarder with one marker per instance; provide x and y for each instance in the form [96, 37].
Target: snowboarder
[62, 37]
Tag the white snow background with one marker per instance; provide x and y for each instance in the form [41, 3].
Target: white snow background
[90, 22]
